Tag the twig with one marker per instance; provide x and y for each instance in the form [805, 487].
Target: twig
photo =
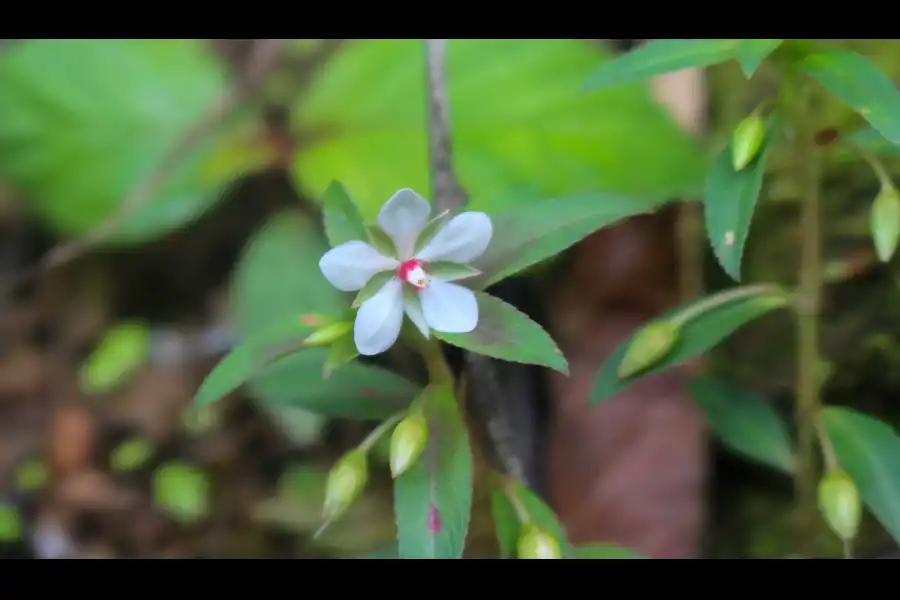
[446, 191]
[263, 57]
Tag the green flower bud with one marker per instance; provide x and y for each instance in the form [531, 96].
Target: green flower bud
[840, 504]
[536, 543]
[884, 222]
[407, 442]
[746, 140]
[649, 346]
[328, 334]
[346, 482]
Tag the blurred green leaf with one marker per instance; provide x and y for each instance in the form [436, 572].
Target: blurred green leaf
[302, 427]
[605, 551]
[729, 201]
[10, 523]
[131, 454]
[751, 53]
[859, 83]
[661, 56]
[31, 476]
[433, 498]
[181, 491]
[719, 316]
[870, 139]
[527, 234]
[503, 332]
[343, 222]
[744, 422]
[85, 120]
[121, 352]
[518, 122]
[507, 524]
[869, 451]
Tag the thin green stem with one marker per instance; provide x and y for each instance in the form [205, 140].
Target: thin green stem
[376, 433]
[880, 172]
[731, 295]
[438, 371]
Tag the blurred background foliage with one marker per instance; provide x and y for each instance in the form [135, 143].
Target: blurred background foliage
[99, 359]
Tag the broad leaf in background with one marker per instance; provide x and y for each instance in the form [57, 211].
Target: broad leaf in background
[527, 234]
[870, 139]
[84, 120]
[751, 53]
[729, 201]
[341, 217]
[278, 278]
[722, 314]
[744, 422]
[507, 524]
[181, 491]
[661, 56]
[518, 122]
[605, 551]
[433, 498]
[869, 451]
[505, 333]
[859, 83]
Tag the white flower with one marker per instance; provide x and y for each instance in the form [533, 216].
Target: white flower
[429, 301]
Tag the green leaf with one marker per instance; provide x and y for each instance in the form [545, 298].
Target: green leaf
[343, 222]
[10, 523]
[85, 120]
[744, 422]
[31, 476]
[869, 451]
[302, 427]
[505, 333]
[859, 83]
[340, 353]
[530, 233]
[433, 498]
[661, 56]
[508, 526]
[131, 454]
[516, 123]
[122, 351]
[606, 551]
[430, 230]
[372, 287]
[729, 201]
[751, 54]
[181, 491]
[715, 318]
[380, 240]
[451, 271]
[869, 139]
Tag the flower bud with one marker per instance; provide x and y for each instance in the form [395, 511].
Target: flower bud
[328, 334]
[840, 504]
[407, 442]
[746, 140]
[648, 347]
[535, 543]
[884, 222]
[345, 483]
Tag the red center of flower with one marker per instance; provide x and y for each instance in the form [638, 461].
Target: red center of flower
[411, 272]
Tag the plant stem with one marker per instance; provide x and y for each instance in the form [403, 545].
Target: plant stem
[438, 371]
[808, 308]
[376, 433]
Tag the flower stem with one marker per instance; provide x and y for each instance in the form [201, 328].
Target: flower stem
[438, 371]
[376, 433]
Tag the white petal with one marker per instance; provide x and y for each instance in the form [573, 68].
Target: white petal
[465, 237]
[378, 320]
[413, 309]
[402, 218]
[449, 307]
[352, 264]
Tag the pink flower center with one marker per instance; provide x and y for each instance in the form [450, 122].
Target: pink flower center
[411, 272]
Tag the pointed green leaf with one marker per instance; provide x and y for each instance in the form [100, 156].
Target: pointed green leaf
[508, 526]
[372, 287]
[340, 353]
[85, 120]
[751, 54]
[661, 56]
[729, 201]
[870, 139]
[451, 271]
[341, 217]
[869, 451]
[516, 124]
[302, 427]
[744, 422]
[430, 230]
[533, 232]
[380, 240]
[433, 498]
[606, 551]
[714, 319]
[859, 83]
[505, 333]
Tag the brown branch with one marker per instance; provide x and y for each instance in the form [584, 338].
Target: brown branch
[261, 60]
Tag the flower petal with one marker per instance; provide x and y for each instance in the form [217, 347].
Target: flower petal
[413, 309]
[449, 307]
[402, 217]
[464, 238]
[351, 265]
[378, 320]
